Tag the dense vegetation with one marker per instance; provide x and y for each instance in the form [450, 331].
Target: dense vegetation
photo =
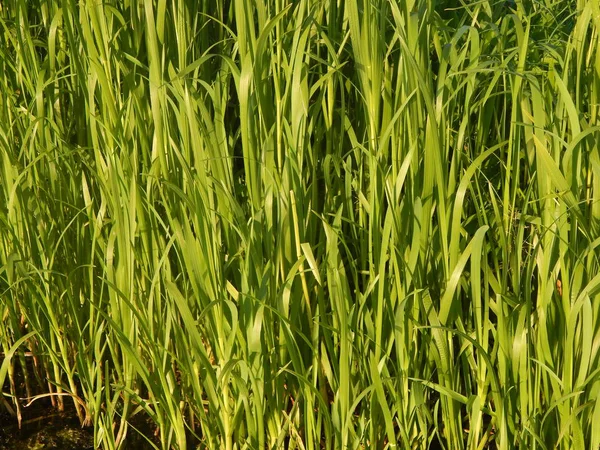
[309, 224]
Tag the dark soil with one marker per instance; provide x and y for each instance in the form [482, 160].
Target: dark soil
[53, 431]
[46, 429]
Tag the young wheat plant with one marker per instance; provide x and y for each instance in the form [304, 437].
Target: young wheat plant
[307, 224]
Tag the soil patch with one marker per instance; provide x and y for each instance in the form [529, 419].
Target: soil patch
[48, 432]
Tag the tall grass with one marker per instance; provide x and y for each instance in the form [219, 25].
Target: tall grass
[303, 224]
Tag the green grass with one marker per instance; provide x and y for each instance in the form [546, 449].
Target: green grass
[303, 224]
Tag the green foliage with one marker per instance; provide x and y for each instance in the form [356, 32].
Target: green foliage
[309, 224]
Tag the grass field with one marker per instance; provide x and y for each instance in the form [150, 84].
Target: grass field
[308, 224]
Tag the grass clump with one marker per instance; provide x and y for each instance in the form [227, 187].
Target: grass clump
[310, 224]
